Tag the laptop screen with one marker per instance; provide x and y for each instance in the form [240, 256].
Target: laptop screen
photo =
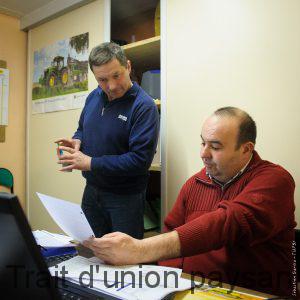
[23, 272]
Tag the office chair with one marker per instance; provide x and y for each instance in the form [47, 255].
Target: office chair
[7, 179]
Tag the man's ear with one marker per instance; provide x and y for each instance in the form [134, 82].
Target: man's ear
[129, 66]
[248, 147]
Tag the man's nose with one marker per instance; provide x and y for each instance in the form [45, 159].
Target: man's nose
[112, 85]
[205, 153]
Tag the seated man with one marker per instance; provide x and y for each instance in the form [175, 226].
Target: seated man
[232, 222]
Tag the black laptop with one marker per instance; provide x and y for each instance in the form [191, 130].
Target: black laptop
[23, 271]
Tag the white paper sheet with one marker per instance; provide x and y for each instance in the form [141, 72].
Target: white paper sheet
[48, 240]
[147, 282]
[68, 216]
[100, 271]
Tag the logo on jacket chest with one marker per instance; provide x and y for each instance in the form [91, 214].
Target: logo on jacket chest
[123, 118]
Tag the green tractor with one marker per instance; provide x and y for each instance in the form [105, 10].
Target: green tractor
[56, 74]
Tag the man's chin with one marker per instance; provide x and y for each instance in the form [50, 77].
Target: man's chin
[209, 170]
[116, 96]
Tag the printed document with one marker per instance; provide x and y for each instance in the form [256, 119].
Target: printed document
[132, 282]
[68, 216]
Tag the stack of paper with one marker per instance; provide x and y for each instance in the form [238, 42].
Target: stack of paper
[125, 282]
[51, 240]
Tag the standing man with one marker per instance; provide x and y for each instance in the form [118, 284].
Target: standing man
[232, 222]
[114, 145]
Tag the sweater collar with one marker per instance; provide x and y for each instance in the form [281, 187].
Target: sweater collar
[130, 94]
[204, 177]
[238, 174]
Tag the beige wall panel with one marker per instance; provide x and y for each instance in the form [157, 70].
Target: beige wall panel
[12, 152]
[44, 129]
[231, 52]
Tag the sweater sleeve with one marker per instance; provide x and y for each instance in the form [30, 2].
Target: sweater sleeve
[142, 145]
[176, 218]
[263, 209]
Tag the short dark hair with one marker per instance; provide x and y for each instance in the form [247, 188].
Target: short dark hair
[106, 52]
[247, 128]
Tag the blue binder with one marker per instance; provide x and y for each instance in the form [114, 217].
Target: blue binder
[55, 251]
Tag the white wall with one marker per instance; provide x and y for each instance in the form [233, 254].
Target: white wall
[243, 53]
[44, 129]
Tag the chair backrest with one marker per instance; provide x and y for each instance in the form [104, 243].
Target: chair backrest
[7, 179]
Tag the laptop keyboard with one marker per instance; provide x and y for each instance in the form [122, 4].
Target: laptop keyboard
[54, 260]
[66, 295]
[70, 290]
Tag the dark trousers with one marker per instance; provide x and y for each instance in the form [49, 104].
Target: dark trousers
[108, 212]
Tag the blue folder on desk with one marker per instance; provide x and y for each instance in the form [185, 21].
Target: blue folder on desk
[55, 251]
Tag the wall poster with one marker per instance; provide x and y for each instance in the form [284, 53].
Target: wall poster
[4, 89]
[60, 75]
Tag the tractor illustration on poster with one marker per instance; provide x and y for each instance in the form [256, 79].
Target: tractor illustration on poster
[56, 74]
[64, 75]
[61, 68]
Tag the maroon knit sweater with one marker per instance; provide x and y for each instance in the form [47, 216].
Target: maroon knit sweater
[242, 234]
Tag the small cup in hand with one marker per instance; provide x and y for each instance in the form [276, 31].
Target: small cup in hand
[64, 164]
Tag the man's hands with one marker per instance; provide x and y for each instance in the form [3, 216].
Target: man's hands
[73, 159]
[71, 143]
[116, 248]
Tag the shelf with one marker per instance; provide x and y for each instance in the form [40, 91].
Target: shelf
[153, 41]
[155, 167]
[144, 53]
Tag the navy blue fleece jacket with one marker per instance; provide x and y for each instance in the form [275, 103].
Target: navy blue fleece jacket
[121, 137]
